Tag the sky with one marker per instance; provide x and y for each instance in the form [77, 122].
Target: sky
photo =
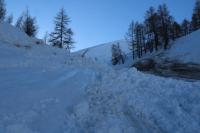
[95, 21]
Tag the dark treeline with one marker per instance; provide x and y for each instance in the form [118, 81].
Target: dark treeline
[159, 29]
[61, 37]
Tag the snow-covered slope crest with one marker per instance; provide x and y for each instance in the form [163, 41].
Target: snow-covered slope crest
[186, 49]
[102, 53]
[15, 36]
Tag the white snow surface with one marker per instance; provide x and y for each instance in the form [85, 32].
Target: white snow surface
[102, 53]
[187, 49]
[46, 90]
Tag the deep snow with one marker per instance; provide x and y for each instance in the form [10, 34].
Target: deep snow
[46, 90]
[186, 49]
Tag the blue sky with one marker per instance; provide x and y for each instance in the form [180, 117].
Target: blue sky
[96, 21]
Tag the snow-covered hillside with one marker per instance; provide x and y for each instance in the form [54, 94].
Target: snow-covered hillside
[8, 34]
[102, 53]
[186, 49]
[46, 90]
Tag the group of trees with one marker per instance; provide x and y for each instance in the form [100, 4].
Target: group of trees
[158, 29]
[61, 37]
[25, 22]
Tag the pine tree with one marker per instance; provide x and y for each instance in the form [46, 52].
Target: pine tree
[196, 16]
[186, 27]
[9, 19]
[29, 25]
[175, 30]
[117, 55]
[139, 38]
[2, 10]
[19, 22]
[151, 23]
[130, 37]
[164, 22]
[62, 35]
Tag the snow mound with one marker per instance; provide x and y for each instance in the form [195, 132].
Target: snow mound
[187, 49]
[13, 35]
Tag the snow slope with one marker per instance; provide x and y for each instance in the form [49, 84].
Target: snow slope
[187, 49]
[102, 53]
[46, 90]
[8, 34]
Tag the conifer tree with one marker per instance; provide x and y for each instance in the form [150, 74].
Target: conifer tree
[151, 24]
[186, 27]
[139, 38]
[175, 30]
[62, 35]
[2, 10]
[130, 38]
[117, 55]
[164, 22]
[29, 25]
[196, 16]
[19, 22]
[9, 19]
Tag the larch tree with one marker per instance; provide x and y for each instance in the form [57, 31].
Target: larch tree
[130, 38]
[151, 24]
[10, 19]
[117, 54]
[186, 27]
[165, 22]
[175, 30]
[2, 10]
[139, 38]
[19, 22]
[62, 35]
[29, 25]
[196, 16]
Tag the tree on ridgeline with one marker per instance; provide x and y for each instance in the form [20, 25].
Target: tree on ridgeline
[117, 55]
[29, 25]
[139, 38]
[164, 24]
[186, 27]
[19, 22]
[9, 19]
[175, 30]
[196, 16]
[151, 24]
[62, 35]
[2, 10]
[130, 38]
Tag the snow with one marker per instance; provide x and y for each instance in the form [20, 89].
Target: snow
[8, 35]
[102, 53]
[186, 49]
[46, 90]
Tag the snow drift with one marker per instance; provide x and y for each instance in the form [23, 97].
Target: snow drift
[186, 49]
[46, 90]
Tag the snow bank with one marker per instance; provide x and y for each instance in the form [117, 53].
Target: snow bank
[187, 49]
[46, 90]
[133, 102]
[13, 35]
